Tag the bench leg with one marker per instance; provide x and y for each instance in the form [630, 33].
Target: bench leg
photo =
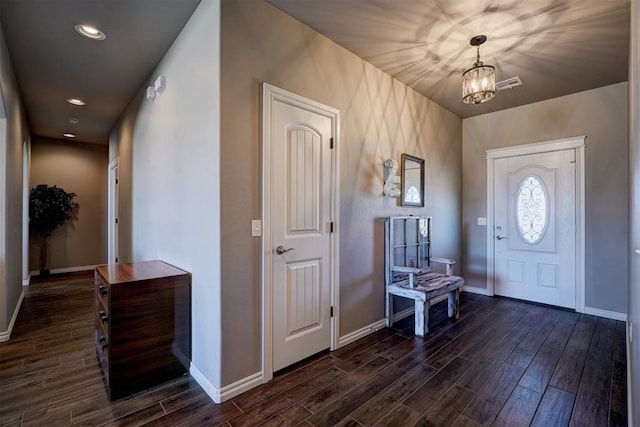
[421, 317]
[454, 304]
[388, 315]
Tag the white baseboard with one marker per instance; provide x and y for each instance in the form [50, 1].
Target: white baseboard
[476, 290]
[227, 392]
[407, 312]
[360, 333]
[65, 270]
[363, 332]
[630, 368]
[6, 335]
[25, 282]
[605, 313]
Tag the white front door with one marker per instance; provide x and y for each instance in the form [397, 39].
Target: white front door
[535, 227]
[300, 229]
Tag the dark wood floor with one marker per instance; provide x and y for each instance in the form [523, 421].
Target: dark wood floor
[504, 363]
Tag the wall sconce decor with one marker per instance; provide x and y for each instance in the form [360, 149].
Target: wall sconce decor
[391, 183]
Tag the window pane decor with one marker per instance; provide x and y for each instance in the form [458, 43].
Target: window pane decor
[531, 209]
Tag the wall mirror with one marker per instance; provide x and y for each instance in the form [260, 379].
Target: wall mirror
[412, 181]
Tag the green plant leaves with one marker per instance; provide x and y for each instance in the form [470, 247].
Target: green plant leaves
[49, 208]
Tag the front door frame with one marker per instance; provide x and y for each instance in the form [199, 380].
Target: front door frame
[270, 94]
[576, 143]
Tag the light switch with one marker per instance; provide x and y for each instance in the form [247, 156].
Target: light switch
[256, 228]
[482, 221]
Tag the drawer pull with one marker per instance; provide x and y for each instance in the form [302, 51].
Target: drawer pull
[103, 290]
[103, 342]
[103, 316]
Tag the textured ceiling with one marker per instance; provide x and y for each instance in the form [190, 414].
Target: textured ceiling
[557, 47]
[52, 62]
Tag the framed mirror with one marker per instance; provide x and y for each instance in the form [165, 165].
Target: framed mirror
[412, 181]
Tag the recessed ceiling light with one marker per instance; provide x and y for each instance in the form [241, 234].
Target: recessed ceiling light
[73, 120]
[69, 135]
[90, 31]
[76, 101]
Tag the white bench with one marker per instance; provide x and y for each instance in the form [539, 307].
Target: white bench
[409, 273]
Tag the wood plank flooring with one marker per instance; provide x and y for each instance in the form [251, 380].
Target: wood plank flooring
[503, 363]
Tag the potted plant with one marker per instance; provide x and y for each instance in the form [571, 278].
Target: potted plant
[49, 208]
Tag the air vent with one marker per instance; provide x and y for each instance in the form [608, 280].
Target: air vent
[509, 83]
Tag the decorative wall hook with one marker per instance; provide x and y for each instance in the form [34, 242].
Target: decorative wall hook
[393, 180]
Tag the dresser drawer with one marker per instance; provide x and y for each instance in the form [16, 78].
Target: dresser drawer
[102, 351]
[102, 292]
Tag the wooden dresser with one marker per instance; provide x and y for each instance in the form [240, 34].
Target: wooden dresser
[143, 324]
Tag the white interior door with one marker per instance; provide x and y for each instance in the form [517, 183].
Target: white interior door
[300, 230]
[112, 227]
[535, 227]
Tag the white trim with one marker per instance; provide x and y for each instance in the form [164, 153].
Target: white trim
[537, 147]
[380, 324]
[630, 368]
[476, 290]
[26, 192]
[605, 313]
[407, 312]
[269, 94]
[361, 333]
[227, 392]
[113, 194]
[35, 273]
[6, 335]
[25, 282]
[576, 143]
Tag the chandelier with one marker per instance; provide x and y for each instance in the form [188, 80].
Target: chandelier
[479, 81]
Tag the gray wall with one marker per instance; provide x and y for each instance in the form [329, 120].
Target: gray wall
[600, 114]
[380, 118]
[82, 169]
[15, 133]
[168, 151]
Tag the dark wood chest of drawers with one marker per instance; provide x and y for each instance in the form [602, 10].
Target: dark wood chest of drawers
[143, 324]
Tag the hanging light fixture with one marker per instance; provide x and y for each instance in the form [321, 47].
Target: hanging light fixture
[479, 81]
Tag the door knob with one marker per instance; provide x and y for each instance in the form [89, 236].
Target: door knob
[501, 237]
[281, 250]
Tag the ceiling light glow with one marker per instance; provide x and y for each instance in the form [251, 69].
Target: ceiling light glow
[90, 31]
[76, 101]
[69, 135]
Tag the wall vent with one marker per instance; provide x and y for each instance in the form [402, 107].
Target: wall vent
[509, 83]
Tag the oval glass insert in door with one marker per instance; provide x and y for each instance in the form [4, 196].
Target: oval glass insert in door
[531, 209]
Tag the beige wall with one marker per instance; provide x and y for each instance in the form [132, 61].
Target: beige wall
[82, 169]
[380, 119]
[601, 115]
[13, 135]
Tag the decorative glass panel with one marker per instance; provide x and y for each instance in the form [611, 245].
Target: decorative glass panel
[531, 209]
